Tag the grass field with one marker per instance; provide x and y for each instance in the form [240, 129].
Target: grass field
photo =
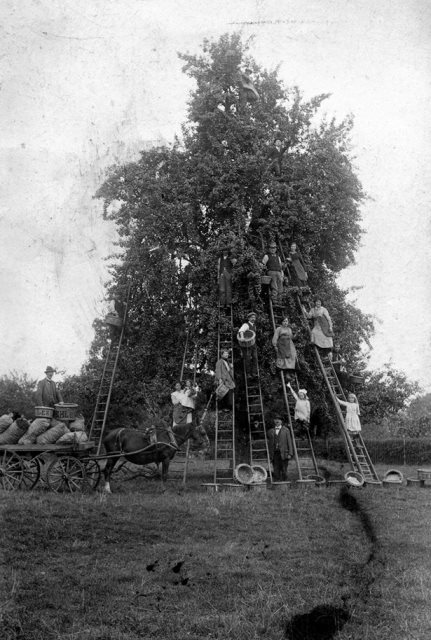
[142, 564]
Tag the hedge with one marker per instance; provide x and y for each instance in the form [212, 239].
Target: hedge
[390, 451]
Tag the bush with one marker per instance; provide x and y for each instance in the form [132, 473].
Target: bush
[389, 451]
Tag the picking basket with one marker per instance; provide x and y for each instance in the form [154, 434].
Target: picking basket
[43, 412]
[393, 476]
[265, 279]
[354, 479]
[244, 473]
[248, 340]
[66, 411]
[316, 478]
[260, 474]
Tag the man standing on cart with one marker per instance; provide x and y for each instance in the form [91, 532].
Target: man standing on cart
[47, 393]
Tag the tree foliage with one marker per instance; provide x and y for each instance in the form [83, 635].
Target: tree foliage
[177, 206]
[17, 394]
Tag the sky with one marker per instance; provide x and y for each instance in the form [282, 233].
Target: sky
[87, 84]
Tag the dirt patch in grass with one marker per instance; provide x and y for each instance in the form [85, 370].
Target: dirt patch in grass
[188, 564]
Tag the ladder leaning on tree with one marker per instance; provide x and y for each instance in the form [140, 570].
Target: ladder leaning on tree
[224, 437]
[304, 454]
[357, 453]
[100, 415]
[258, 440]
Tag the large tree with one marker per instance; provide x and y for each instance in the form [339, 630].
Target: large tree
[177, 206]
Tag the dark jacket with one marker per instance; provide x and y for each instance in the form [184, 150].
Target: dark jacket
[47, 394]
[285, 443]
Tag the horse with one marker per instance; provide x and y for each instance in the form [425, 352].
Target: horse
[141, 448]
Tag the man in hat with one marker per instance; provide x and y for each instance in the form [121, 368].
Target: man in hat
[224, 374]
[47, 394]
[225, 265]
[249, 352]
[280, 449]
[274, 267]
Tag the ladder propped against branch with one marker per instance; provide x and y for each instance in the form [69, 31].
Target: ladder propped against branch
[224, 437]
[357, 453]
[100, 415]
[303, 452]
[258, 441]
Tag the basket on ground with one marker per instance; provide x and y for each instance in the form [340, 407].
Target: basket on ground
[260, 474]
[244, 473]
[116, 321]
[393, 476]
[248, 338]
[66, 411]
[354, 479]
[316, 478]
[43, 412]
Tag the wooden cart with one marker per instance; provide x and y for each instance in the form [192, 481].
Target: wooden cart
[62, 467]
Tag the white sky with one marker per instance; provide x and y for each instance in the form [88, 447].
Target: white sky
[87, 83]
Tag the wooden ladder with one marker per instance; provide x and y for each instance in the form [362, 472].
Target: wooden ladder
[100, 415]
[356, 450]
[258, 441]
[304, 452]
[224, 438]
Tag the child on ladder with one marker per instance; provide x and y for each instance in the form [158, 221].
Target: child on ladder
[302, 409]
[351, 420]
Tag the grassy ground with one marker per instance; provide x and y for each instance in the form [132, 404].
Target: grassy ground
[142, 564]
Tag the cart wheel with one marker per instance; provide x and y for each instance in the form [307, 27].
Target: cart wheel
[65, 474]
[11, 471]
[31, 473]
[92, 473]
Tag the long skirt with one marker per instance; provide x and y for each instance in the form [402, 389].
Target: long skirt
[286, 353]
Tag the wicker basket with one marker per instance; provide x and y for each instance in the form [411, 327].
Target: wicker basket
[354, 479]
[266, 279]
[114, 320]
[244, 473]
[317, 479]
[260, 474]
[43, 412]
[248, 340]
[66, 411]
[393, 476]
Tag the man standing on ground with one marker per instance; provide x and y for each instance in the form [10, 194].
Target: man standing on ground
[280, 449]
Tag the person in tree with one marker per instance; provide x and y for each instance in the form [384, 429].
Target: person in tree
[302, 409]
[225, 266]
[284, 347]
[115, 311]
[297, 264]
[224, 374]
[321, 333]
[280, 449]
[249, 352]
[274, 266]
[188, 400]
[247, 90]
[276, 156]
[47, 392]
[339, 365]
[351, 420]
